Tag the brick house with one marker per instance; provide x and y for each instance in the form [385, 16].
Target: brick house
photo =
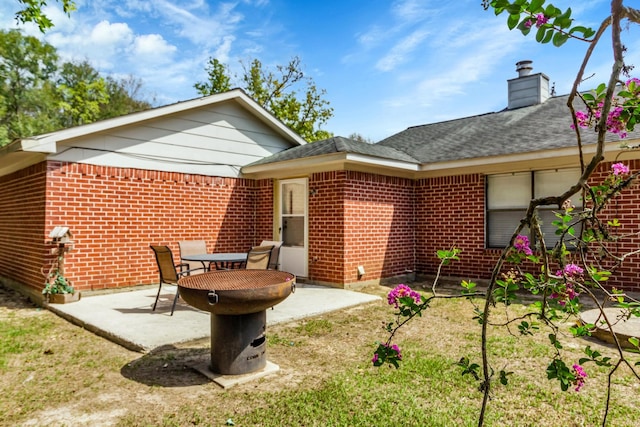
[223, 170]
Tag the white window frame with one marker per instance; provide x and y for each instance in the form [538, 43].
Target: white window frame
[507, 200]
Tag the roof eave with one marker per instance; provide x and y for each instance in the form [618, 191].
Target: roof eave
[42, 142]
[535, 160]
[328, 162]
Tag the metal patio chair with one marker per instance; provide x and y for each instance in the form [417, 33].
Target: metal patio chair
[259, 258]
[168, 271]
[274, 263]
[194, 247]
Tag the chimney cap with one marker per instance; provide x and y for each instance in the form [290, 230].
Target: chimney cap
[524, 67]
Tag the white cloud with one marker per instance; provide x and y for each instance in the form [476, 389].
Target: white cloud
[198, 25]
[222, 52]
[402, 50]
[152, 47]
[410, 10]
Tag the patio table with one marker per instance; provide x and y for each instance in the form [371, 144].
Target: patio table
[222, 261]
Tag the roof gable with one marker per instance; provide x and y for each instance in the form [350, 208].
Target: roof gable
[214, 135]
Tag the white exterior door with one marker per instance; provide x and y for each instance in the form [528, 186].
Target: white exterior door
[293, 226]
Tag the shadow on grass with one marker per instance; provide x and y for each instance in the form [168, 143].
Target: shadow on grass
[168, 366]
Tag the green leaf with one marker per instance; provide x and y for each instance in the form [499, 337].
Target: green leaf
[514, 9]
[559, 39]
[513, 20]
[536, 6]
[586, 32]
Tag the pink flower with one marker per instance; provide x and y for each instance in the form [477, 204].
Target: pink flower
[397, 350]
[634, 80]
[389, 352]
[579, 375]
[620, 169]
[521, 243]
[402, 291]
[541, 20]
[572, 270]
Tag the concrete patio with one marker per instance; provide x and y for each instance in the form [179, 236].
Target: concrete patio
[126, 317]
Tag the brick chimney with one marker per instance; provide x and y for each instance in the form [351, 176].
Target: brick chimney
[527, 89]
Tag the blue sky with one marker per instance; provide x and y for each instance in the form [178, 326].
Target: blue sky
[385, 65]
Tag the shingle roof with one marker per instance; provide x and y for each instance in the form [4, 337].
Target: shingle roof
[539, 127]
[337, 144]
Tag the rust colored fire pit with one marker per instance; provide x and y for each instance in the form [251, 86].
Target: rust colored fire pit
[237, 301]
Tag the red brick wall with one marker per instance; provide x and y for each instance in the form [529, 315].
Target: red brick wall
[115, 214]
[326, 226]
[450, 212]
[388, 225]
[22, 231]
[626, 209]
[360, 219]
[379, 224]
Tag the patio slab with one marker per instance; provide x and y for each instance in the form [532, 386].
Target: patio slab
[126, 317]
[624, 328]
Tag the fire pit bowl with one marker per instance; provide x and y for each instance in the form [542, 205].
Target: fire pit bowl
[232, 292]
[237, 301]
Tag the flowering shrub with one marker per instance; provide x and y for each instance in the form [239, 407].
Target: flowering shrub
[614, 108]
[559, 294]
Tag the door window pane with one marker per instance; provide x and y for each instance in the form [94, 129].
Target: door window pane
[293, 231]
[293, 199]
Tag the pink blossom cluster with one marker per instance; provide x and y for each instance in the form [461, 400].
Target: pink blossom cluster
[570, 270]
[567, 294]
[620, 169]
[521, 243]
[393, 348]
[580, 375]
[540, 20]
[402, 291]
[615, 124]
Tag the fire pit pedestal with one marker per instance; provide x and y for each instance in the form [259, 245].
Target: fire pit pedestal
[237, 301]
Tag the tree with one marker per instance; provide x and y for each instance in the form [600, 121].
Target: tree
[82, 92]
[219, 80]
[125, 96]
[359, 137]
[32, 12]
[574, 267]
[275, 91]
[38, 95]
[26, 68]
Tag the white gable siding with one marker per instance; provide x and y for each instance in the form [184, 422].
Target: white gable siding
[216, 140]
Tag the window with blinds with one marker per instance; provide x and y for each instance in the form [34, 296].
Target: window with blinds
[508, 197]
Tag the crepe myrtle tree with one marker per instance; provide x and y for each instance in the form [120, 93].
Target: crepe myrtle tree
[566, 272]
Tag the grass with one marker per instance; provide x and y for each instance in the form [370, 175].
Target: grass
[54, 373]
